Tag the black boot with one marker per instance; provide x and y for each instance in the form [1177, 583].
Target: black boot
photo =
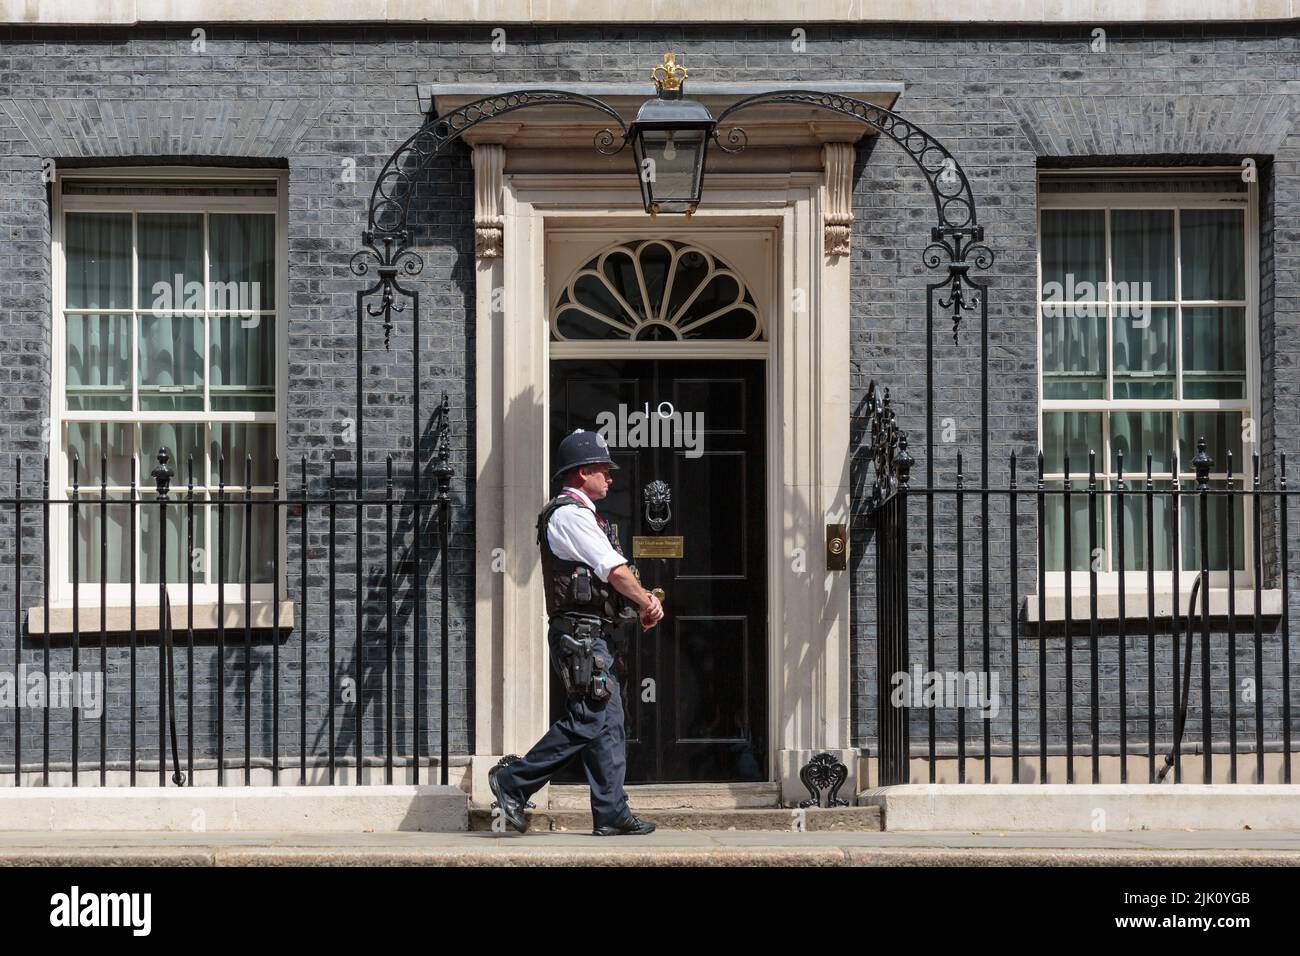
[629, 827]
[511, 804]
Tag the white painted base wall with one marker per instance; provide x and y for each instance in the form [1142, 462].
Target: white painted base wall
[229, 809]
[1086, 808]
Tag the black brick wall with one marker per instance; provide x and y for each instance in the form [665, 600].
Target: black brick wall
[1000, 97]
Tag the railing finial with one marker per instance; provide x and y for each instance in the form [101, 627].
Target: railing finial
[903, 462]
[1203, 464]
[162, 473]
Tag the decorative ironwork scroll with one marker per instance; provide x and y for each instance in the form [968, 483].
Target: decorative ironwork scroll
[889, 457]
[824, 772]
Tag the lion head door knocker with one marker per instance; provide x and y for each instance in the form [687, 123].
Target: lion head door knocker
[658, 505]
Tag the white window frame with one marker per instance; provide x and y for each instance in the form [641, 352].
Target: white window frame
[1135, 472]
[119, 594]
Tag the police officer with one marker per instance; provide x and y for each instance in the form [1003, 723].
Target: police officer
[584, 572]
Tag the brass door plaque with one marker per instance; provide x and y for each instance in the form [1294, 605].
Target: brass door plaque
[657, 546]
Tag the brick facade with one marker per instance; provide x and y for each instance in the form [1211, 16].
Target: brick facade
[319, 99]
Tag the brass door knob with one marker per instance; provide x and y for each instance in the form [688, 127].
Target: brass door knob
[658, 593]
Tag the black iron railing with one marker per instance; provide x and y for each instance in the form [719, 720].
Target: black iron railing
[1026, 627]
[320, 538]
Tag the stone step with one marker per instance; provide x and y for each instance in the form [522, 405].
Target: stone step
[861, 819]
[669, 796]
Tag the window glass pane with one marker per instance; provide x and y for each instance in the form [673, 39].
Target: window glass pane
[258, 564]
[91, 442]
[1217, 508]
[1072, 433]
[236, 440]
[171, 363]
[90, 562]
[243, 363]
[1135, 434]
[1132, 510]
[1054, 512]
[170, 261]
[178, 536]
[98, 373]
[1144, 352]
[1222, 433]
[181, 441]
[242, 254]
[578, 324]
[1073, 254]
[1074, 351]
[98, 249]
[1213, 254]
[1214, 353]
[1142, 250]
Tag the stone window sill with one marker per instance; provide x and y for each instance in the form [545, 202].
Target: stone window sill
[118, 617]
[1135, 604]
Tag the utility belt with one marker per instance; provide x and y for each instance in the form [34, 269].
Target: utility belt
[584, 670]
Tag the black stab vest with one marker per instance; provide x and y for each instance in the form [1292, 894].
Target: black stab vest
[558, 573]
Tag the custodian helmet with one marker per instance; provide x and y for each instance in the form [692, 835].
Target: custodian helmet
[582, 448]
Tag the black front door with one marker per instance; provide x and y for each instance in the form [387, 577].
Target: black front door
[694, 686]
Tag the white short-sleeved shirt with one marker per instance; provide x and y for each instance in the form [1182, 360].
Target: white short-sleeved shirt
[574, 535]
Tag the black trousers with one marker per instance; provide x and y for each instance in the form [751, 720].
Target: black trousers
[591, 730]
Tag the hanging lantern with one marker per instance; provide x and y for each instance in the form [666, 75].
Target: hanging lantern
[670, 137]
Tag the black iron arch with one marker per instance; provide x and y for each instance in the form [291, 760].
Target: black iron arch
[387, 240]
[391, 194]
[956, 239]
[954, 204]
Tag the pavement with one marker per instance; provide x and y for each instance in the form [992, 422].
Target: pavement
[662, 848]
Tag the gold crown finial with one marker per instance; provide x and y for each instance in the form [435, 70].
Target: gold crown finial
[668, 76]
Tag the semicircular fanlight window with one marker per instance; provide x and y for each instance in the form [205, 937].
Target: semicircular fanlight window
[657, 290]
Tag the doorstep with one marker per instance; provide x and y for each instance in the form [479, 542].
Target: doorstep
[666, 796]
[1082, 808]
[721, 807]
[754, 819]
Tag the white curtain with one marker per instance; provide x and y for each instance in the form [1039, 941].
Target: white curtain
[243, 346]
[98, 347]
[170, 346]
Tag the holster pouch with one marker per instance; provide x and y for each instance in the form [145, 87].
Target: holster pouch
[580, 586]
[584, 670]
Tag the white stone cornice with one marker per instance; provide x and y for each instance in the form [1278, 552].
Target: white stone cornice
[127, 12]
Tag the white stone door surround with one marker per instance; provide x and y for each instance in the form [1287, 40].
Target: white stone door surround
[797, 194]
